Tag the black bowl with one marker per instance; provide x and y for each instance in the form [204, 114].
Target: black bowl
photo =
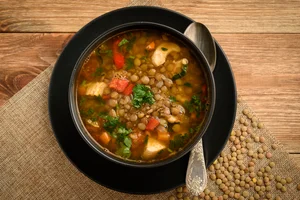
[199, 57]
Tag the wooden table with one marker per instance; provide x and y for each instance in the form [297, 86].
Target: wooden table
[260, 38]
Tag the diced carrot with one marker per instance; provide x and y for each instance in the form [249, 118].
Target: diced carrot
[106, 97]
[163, 136]
[105, 138]
[118, 84]
[152, 124]
[128, 89]
[151, 46]
[193, 115]
[81, 90]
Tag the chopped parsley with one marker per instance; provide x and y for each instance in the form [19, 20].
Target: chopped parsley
[83, 83]
[82, 100]
[172, 99]
[99, 99]
[130, 44]
[195, 105]
[142, 95]
[107, 52]
[118, 130]
[178, 141]
[122, 42]
[187, 84]
[129, 63]
[98, 72]
[164, 49]
[181, 74]
[146, 139]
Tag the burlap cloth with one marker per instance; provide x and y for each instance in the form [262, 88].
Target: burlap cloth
[34, 167]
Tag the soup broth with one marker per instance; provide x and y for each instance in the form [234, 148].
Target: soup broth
[141, 95]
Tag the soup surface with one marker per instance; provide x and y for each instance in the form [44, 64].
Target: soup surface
[141, 95]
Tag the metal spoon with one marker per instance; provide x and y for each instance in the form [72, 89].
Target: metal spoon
[196, 176]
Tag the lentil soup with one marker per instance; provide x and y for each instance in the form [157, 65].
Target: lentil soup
[141, 95]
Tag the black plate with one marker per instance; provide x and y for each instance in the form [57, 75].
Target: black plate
[118, 177]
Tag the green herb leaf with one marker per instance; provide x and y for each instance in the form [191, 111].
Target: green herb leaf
[187, 84]
[107, 52]
[130, 43]
[111, 123]
[82, 100]
[129, 63]
[172, 99]
[98, 72]
[123, 41]
[181, 74]
[83, 83]
[127, 141]
[146, 139]
[141, 95]
[99, 100]
[195, 105]
[178, 141]
[164, 49]
[123, 151]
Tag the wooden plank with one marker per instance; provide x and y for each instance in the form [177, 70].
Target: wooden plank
[267, 73]
[266, 68]
[221, 16]
[24, 56]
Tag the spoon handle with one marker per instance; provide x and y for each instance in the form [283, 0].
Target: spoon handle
[196, 177]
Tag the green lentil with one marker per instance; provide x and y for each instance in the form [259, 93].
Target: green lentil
[283, 181]
[278, 185]
[272, 164]
[268, 188]
[219, 181]
[260, 125]
[179, 195]
[179, 189]
[212, 194]
[289, 179]
[274, 146]
[278, 178]
[283, 189]
[171, 198]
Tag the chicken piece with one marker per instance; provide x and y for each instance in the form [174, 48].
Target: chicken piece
[152, 148]
[162, 51]
[95, 89]
[93, 123]
[178, 65]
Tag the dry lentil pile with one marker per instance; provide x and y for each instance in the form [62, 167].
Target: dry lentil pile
[251, 166]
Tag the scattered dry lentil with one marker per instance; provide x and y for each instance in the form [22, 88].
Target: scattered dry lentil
[289, 179]
[298, 187]
[268, 155]
[272, 164]
[260, 125]
[274, 146]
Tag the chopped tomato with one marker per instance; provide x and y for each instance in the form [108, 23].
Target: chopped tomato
[203, 88]
[118, 57]
[152, 124]
[151, 46]
[119, 84]
[106, 97]
[128, 89]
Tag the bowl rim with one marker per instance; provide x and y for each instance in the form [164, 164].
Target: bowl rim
[72, 95]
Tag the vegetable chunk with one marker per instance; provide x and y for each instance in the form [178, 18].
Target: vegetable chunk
[162, 51]
[152, 148]
[95, 89]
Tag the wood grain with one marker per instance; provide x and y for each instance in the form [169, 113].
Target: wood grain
[221, 16]
[24, 56]
[272, 91]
